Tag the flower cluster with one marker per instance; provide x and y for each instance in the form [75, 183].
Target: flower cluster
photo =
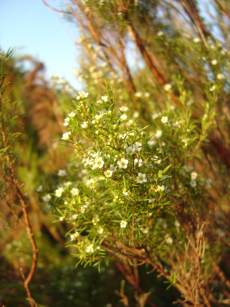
[122, 175]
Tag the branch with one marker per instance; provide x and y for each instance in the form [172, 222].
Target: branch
[192, 11]
[222, 8]
[59, 11]
[130, 83]
[29, 229]
[149, 59]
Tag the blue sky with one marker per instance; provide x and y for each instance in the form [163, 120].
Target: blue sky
[30, 27]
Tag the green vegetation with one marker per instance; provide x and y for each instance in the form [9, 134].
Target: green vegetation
[117, 195]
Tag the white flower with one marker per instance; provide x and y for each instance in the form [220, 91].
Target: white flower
[177, 224]
[138, 94]
[67, 184]
[193, 183]
[66, 136]
[151, 143]
[83, 208]
[74, 191]
[136, 114]
[100, 230]
[145, 230]
[99, 116]
[108, 173]
[95, 220]
[164, 119]
[74, 236]
[167, 87]
[136, 147]
[147, 95]
[105, 98]
[39, 188]
[98, 163]
[160, 33]
[89, 249]
[122, 136]
[220, 76]
[61, 218]
[66, 122]
[141, 178]
[84, 125]
[155, 115]
[71, 114]
[130, 122]
[212, 88]
[124, 109]
[214, 62]
[46, 198]
[160, 188]
[168, 240]
[74, 217]
[158, 134]
[82, 94]
[194, 175]
[59, 191]
[138, 162]
[61, 173]
[123, 224]
[90, 182]
[123, 163]
[130, 149]
[196, 40]
[123, 117]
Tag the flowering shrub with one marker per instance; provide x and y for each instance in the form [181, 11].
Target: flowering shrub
[124, 179]
[139, 175]
[149, 146]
